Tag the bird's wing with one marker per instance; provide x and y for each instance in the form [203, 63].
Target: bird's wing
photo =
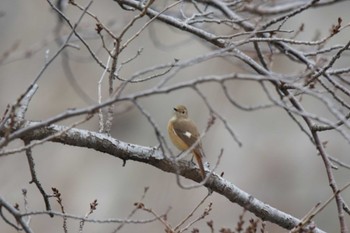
[187, 131]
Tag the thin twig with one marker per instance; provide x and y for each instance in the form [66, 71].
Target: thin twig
[35, 178]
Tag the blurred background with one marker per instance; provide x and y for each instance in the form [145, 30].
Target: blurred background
[276, 164]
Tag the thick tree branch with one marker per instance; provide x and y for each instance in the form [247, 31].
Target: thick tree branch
[152, 156]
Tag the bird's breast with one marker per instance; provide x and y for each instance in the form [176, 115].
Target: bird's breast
[177, 141]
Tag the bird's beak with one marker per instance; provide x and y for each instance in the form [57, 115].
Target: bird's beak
[175, 109]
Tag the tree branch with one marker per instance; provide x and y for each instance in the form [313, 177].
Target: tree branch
[127, 151]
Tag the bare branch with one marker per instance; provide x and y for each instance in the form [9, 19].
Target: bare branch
[128, 151]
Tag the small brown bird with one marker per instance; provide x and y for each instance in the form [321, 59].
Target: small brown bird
[184, 134]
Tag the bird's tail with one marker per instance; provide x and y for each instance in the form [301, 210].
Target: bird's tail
[199, 160]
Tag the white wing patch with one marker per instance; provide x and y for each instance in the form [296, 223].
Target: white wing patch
[188, 134]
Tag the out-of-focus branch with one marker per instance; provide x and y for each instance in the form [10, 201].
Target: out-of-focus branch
[21, 220]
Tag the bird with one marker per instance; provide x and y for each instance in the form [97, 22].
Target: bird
[184, 134]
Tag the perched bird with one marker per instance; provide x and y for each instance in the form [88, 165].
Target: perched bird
[184, 134]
